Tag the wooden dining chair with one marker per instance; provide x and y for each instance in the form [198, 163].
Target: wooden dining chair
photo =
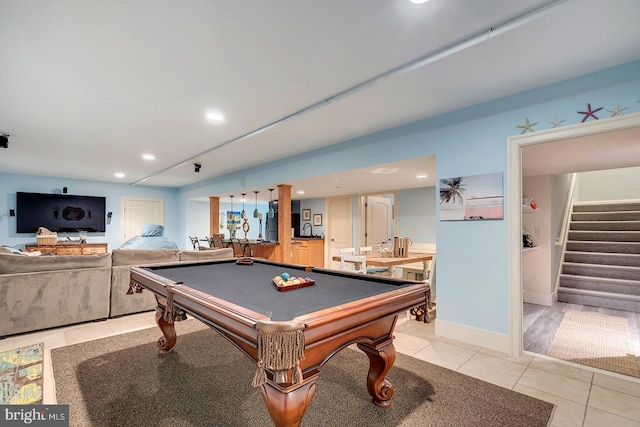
[240, 248]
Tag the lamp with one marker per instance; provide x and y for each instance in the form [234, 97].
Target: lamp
[243, 215]
[255, 211]
[271, 212]
[231, 222]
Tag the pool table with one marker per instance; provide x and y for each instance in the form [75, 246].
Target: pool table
[289, 334]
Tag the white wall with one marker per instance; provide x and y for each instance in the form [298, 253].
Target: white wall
[536, 262]
[613, 184]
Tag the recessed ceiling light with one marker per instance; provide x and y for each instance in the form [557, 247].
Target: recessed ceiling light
[119, 175]
[300, 191]
[418, 1]
[421, 176]
[385, 171]
[214, 117]
[148, 157]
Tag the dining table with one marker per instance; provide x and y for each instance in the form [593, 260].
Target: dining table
[391, 262]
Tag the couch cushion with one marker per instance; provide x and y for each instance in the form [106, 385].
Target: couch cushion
[152, 230]
[204, 255]
[8, 250]
[143, 256]
[11, 264]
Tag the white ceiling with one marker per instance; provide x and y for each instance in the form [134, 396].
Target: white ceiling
[88, 86]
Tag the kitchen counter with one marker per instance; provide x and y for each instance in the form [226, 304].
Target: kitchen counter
[307, 250]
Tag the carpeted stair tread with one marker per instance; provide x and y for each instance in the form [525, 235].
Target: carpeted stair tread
[604, 235]
[606, 216]
[615, 302]
[601, 294]
[608, 247]
[604, 207]
[601, 270]
[603, 258]
[605, 225]
[603, 284]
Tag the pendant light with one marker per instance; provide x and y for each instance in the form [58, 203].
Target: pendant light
[255, 211]
[271, 211]
[231, 216]
[243, 215]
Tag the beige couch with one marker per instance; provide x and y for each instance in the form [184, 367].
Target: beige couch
[52, 291]
[124, 259]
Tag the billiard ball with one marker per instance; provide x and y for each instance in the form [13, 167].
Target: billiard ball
[285, 276]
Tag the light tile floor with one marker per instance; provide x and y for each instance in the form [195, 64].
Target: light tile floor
[584, 396]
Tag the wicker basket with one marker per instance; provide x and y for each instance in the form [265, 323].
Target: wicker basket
[45, 239]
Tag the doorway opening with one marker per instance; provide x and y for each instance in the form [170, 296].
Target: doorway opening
[601, 145]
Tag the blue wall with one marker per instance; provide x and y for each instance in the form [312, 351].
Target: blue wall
[472, 256]
[417, 210]
[11, 183]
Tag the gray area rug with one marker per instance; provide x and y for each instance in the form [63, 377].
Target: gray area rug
[205, 381]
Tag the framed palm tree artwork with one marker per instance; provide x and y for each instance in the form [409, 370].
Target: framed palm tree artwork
[473, 197]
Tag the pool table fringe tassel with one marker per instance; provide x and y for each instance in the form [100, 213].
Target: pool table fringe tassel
[279, 350]
[170, 309]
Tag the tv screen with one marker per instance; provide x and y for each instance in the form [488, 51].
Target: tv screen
[59, 212]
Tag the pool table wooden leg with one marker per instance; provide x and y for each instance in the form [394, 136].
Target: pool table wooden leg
[169, 337]
[381, 358]
[287, 409]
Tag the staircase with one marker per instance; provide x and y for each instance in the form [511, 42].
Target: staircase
[602, 256]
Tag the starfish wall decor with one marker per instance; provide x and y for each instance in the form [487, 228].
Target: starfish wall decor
[527, 126]
[589, 113]
[556, 122]
[617, 110]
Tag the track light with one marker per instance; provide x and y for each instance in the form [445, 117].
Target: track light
[197, 167]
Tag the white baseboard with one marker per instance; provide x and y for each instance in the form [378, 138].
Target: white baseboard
[537, 298]
[475, 336]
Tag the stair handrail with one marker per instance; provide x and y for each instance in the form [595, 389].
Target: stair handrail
[564, 232]
[562, 235]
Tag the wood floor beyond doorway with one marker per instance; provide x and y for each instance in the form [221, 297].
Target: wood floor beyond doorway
[540, 323]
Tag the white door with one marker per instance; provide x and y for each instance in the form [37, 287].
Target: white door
[339, 227]
[138, 212]
[378, 221]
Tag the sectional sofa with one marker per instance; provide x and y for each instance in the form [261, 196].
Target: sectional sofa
[51, 291]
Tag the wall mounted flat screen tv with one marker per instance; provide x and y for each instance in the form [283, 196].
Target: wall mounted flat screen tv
[59, 212]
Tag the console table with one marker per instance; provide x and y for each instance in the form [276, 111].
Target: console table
[70, 248]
